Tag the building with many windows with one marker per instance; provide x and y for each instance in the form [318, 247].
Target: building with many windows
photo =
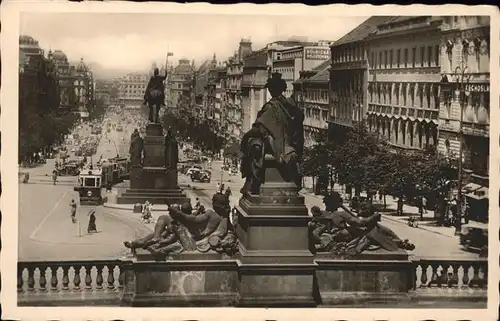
[180, 82]
[132, 88]
[289, 62]
[465, 48]
[253, 92]
[311, 94]
[403, 83]
[349, 77]
[234, 76]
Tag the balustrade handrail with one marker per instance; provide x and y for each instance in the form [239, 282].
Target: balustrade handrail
[69, 262]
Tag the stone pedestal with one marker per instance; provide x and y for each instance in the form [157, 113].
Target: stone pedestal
[190, 279]
[153, 182]
[275, 263]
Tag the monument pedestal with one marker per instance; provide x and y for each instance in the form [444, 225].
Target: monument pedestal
[152, 181]
[188, 279]
[275, 264]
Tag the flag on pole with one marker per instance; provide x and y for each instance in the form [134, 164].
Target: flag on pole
[170, 54]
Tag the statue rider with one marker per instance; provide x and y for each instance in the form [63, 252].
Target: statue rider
[155, 83]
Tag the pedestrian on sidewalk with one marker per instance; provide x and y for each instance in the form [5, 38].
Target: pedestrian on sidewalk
[399, 211]
[72, 206]
[92, 227]
[228, 192]
[420, 207]
[424, 204]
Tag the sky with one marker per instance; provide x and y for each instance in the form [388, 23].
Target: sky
[133, 41]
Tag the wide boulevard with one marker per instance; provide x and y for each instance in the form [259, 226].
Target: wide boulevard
[47, 233]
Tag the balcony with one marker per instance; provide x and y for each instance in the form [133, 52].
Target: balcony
[442, 282]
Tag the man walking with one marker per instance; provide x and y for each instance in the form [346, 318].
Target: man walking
[72, 206]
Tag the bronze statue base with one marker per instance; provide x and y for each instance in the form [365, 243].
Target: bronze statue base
[275, 264]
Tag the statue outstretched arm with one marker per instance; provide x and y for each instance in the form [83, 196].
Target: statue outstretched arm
[359, 222]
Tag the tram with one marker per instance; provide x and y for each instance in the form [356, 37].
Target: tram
[89, 187]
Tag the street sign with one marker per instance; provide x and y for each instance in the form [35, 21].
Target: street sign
[478, 88]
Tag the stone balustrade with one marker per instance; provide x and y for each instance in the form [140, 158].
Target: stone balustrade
[100, 282]
[458, 280]
[69, 283]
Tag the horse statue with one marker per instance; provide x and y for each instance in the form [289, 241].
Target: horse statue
[155, 95]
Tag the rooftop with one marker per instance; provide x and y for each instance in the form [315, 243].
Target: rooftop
[363, 30]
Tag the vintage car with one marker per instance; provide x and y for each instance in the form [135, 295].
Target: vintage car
[474, 236]
[71, 168]
[201, 176]
[89, 187]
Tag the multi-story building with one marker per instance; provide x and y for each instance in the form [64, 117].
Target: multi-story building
[289, 62]
[349, 78]
[234, 111]
[403, 83]
[132, 89]
[65, 78]
[219, 80]
[253, 92]
[465, 46]
[311, 93]
[84, 87]
[180, 83]
[201, 107]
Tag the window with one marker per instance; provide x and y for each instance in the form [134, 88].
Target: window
[436, 57]
[385, 59]
[422, 56]
[380, 60]
[429, 56]
[398, 58]
[414, 56]
[406, 57]
[390, 58]
[373, 63]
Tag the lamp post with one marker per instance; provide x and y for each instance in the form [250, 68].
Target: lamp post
[462, 78]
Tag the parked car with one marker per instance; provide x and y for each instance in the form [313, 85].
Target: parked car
[195, 168]
[474, 236]
[201, 176]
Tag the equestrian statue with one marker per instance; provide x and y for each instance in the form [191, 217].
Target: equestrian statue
[155, 95]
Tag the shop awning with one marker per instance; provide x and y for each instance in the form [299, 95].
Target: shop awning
[479, 194]
[471, 187]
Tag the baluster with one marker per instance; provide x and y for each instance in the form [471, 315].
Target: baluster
[88, 277]
[99, 279]
[475, 282]
[20, 281]
[423, 278]
[453, 278]
[111, 277]
[31, 279]
[435, 279]
[53, 278]
[121, 278]
[42, 281]
[76, 279]
[451, 274]
[465, 278]
[65, 280]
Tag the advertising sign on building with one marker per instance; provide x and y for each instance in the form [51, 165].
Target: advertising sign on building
[317, 54]
[481, 88]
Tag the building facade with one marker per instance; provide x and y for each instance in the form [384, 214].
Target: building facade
[465, 46]
[311, 93]
[349, 78]
[180, 85]
[253, 92]
[289, 62]
[403, 83]
[132, 88]
[233, 109]
[84, 87]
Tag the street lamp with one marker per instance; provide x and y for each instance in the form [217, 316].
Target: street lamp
[462, 77]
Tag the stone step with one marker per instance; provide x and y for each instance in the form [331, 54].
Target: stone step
[128, 199]
[154, 194]
[150, 190]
